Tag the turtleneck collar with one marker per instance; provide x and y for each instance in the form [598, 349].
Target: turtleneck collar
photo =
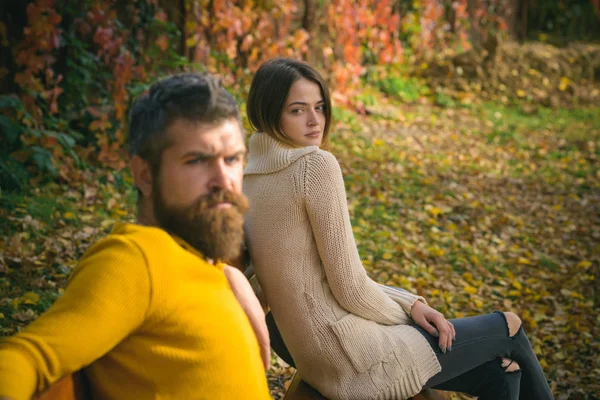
[268, 155]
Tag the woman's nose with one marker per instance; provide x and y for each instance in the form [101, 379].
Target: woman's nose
[312, 119]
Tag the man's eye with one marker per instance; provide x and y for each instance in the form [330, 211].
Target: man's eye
[196, 160]
[233, 159]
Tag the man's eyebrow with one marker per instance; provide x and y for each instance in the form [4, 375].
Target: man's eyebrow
[198, 154]
[302, 103]
[240, 152]
[208, 155]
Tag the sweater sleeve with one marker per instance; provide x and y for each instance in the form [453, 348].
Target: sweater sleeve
[325, 198]
[106, 299]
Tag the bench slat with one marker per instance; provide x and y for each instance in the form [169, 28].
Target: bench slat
[300, 390]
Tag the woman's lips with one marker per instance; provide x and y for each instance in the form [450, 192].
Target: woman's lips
[313, 134]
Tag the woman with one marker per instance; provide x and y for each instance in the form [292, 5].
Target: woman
[350, 337]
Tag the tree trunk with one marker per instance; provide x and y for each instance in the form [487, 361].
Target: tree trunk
[474, 35]
[176, 13]
[310, 25]
[519, 16]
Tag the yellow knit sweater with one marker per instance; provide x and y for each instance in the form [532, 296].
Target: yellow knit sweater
[148, 318]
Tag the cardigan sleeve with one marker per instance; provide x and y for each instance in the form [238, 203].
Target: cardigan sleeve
[325, 199]
[106, 299]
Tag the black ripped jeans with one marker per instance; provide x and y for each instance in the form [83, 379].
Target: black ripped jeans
[474, 365]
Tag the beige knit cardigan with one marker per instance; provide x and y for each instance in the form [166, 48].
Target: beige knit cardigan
[350, 337]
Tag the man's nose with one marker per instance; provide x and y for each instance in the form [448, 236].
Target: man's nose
[220, 177]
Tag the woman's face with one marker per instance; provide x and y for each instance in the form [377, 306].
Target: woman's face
[303, 115]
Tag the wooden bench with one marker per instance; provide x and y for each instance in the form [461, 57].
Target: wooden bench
[71, 387]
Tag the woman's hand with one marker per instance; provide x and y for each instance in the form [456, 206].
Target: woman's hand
[245, 296]
[435, 323]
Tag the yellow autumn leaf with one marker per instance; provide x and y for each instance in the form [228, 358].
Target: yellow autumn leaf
[119, 212]
[585, 264]
[106, 223]
[387, 256]
[514, 293]
[435, 251]
[517, 285]
[564, 83]
[30, 298]
[523, 261]
[435, 211]
[475, 204]
[1, 316]
[470, 290]
[521, 93]
[68, 215]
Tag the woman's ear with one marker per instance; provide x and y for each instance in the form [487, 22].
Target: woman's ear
[142, 175]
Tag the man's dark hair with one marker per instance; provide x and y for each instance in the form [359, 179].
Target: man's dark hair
[193, 97]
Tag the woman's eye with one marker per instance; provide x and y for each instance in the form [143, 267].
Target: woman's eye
[297, 111]
[320, 108]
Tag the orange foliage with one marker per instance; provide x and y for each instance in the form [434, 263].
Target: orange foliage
[356, 27]
[110, 40]
[35, 56]
[231, 38]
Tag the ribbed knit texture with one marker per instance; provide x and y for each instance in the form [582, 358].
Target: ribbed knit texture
[149, 318]
[349, 339]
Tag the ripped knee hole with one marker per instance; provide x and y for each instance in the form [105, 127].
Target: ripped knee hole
[510, 365]
[513, 322]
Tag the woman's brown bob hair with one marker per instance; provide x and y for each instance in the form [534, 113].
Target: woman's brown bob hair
[269, 90]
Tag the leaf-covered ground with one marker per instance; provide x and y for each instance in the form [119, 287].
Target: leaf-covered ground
[478, 209]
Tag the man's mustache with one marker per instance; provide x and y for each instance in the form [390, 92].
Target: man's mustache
[221, 196]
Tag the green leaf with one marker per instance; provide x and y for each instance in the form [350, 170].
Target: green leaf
[10, 101]
[10, 128]
[43, 159]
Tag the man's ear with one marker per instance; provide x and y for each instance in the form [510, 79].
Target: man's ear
[142, 175]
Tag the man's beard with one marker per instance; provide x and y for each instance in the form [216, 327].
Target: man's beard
[217, 233]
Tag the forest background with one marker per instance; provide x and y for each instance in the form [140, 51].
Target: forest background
[468, 132]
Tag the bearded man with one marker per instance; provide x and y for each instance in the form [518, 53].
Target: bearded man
[151, 312]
